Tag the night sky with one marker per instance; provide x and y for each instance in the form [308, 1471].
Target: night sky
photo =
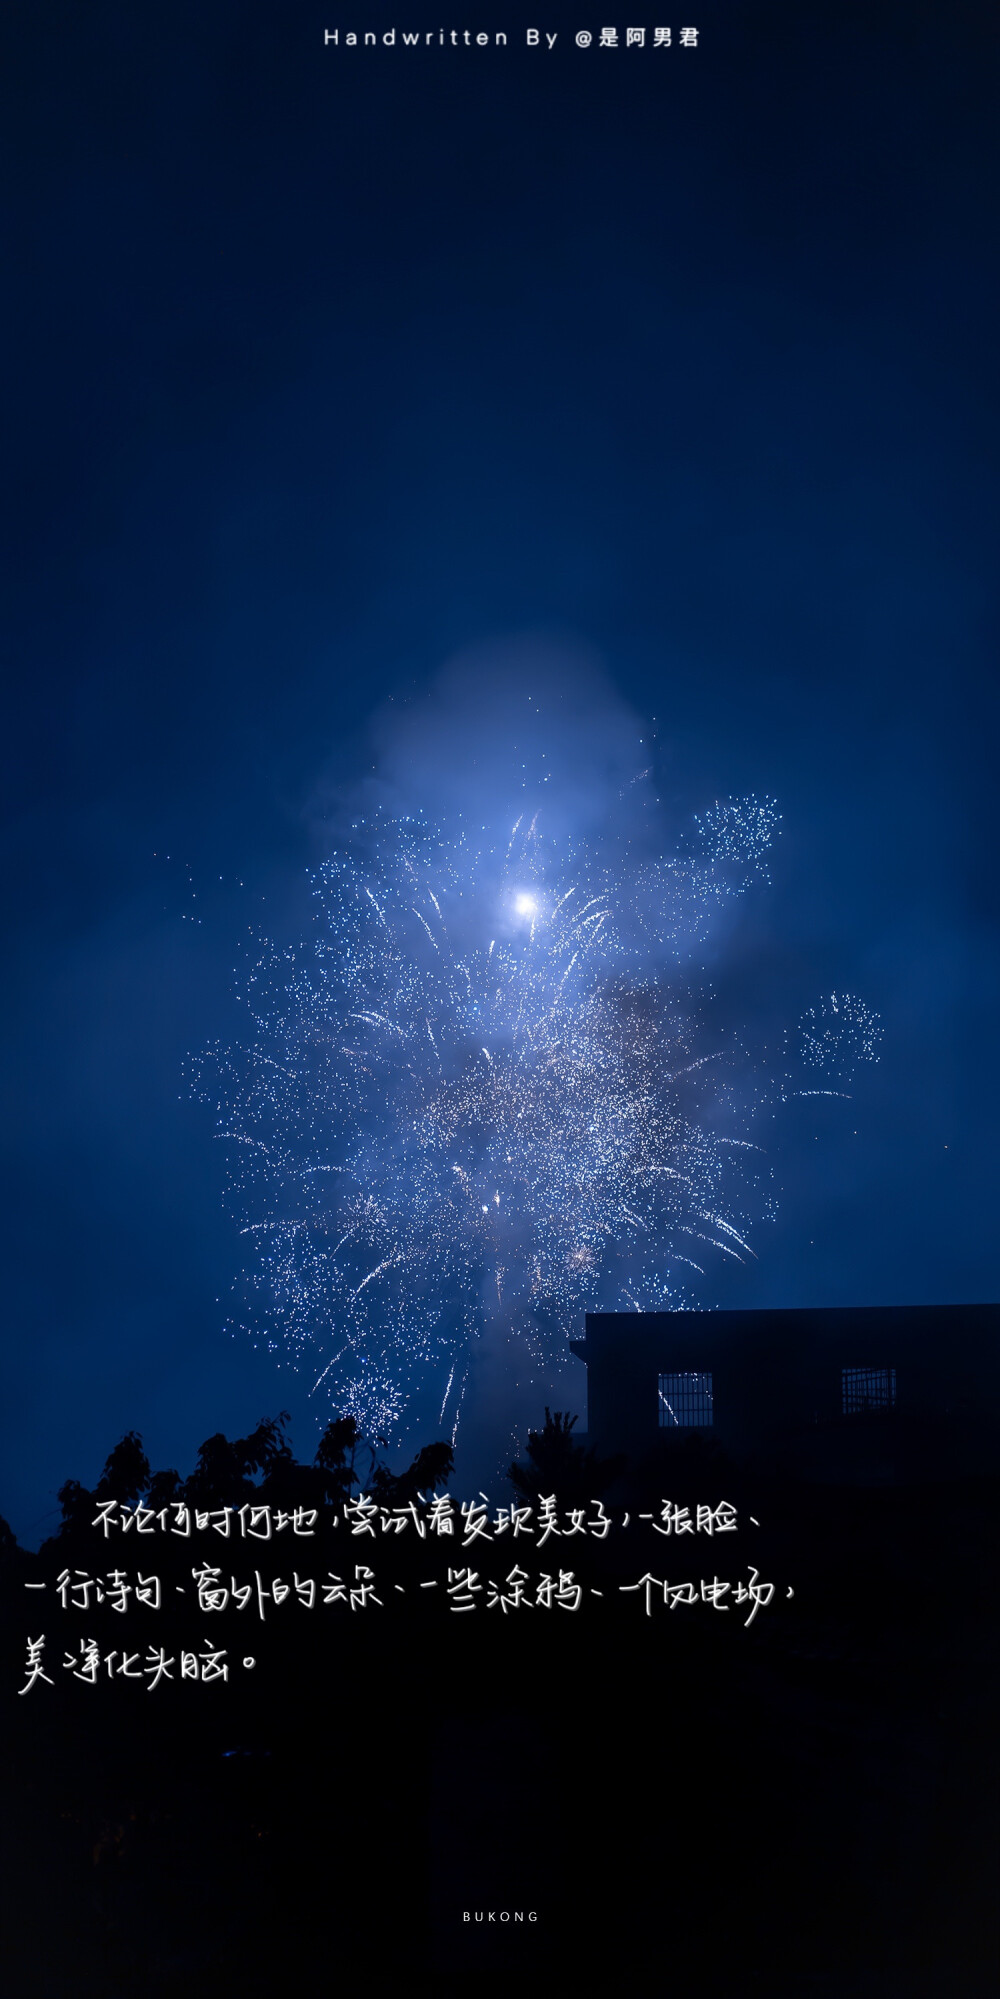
[340, 386]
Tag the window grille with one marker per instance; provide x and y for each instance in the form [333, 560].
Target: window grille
[867, 1388]
[685, 1401]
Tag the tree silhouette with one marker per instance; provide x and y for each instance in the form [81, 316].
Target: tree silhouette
[267, 1445]
[233, 1471]
[335, 1458]
[77, 1502]
[126, 1474]
[558, 1464]
[125, 1477]
[220, 1474]
[165, 1489]
[227, 1467]
[432, 1467]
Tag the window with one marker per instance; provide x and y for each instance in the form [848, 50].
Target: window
[868, 1388]
[685, 1401]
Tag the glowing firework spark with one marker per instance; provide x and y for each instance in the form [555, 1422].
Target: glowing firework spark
[837, 1034]
[475, 1098]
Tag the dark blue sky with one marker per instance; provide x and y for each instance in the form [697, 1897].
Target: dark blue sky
[324, 370]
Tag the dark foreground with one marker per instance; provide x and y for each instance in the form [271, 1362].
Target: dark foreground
[805, 1807]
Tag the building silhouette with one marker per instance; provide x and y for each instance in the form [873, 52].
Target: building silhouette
[860, 1394]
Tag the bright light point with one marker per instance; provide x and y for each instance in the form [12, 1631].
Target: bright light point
[526, 905]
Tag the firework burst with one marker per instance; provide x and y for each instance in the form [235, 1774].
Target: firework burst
[476, 1097]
